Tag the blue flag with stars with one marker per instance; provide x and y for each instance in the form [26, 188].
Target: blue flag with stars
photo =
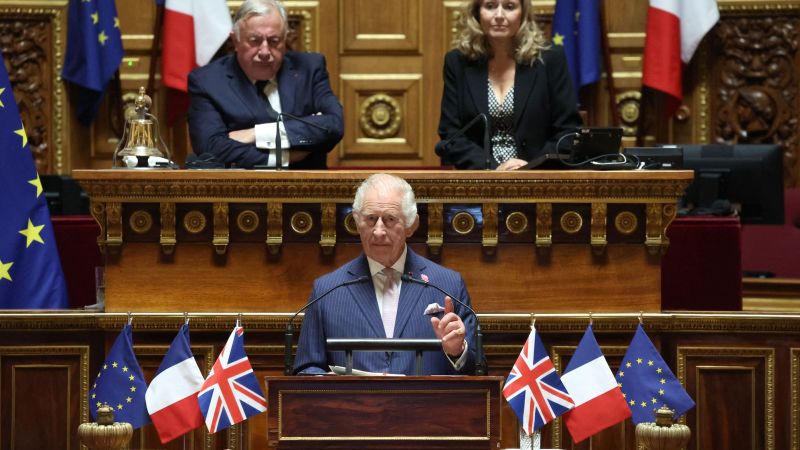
[120, 384]
[576, 27]
[94, 53]
[30, 271]
[647, 382]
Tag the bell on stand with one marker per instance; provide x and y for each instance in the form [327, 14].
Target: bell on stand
[141, 146]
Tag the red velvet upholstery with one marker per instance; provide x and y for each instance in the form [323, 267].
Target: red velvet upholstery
[76, 238]
[775, 248]
[702, 269]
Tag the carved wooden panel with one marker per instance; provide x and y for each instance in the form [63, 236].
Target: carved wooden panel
[37, 379]
[32, 39]
[383, 117]
[368, 25]
[755, 97]
[733, 388]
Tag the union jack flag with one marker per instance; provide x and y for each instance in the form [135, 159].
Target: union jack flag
[533, 388]
[231, 394]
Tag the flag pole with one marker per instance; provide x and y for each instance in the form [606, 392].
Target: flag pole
[157, 32]
[612, 100]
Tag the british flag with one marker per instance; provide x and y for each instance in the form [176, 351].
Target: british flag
[231, 394]
[533, 388]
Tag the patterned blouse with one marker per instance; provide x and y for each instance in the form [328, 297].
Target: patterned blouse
[501, 117]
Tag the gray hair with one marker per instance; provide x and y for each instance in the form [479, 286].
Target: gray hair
[408, 203]
[252, 8]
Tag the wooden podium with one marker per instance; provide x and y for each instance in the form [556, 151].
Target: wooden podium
[254, 241]
[387, 413]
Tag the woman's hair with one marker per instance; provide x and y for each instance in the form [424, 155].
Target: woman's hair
[252, 8]
[470, 40]
[384, 182]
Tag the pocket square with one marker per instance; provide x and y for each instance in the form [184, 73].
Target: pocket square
[434, 308]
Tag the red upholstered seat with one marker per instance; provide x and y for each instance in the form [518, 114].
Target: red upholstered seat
[775, 248]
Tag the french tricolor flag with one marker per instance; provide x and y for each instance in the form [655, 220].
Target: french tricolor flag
[599, 402]
[172, 395]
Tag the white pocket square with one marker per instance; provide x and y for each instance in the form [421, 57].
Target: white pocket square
[434, 308]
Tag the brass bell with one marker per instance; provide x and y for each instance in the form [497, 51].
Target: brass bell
[141, 139]
[663, 434]
[105, 434]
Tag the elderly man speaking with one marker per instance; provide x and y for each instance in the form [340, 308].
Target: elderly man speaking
[385, 212]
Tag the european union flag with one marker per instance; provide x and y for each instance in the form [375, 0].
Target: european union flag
[576, 27]
[30, 271]
[94, 52]
[647, 382]
[120, 384]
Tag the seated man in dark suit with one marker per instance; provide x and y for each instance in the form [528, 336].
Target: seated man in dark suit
[235, 100]
[385, 212]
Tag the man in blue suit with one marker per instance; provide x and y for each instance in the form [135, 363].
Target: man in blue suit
[385, 212]
[235, 100]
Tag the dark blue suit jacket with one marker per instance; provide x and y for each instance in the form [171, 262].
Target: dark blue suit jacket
[224, 100]
[352, 312]
[544, 107]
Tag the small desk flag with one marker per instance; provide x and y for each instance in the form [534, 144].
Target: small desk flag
[120, 384]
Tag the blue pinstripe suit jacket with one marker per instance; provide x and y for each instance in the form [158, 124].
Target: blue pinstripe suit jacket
[352, 312]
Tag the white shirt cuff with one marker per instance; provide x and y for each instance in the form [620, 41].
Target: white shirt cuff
[265, 139]
[459, 363]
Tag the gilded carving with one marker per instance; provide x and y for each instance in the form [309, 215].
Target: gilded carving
[221, 231]
[380, 116]
[757, 95]
[301, 222]
[517, 222]
[544, 224]
[490, 239]
[463, 223]
[571, 222]
[33, 63]
[114, 223]
[626, 222]
[194, 222]
[598, 227]
[628, 110]
[140, 222]
[435, 228]
[98, 211]
[274, 227]
[350, 224]
[327, 238]
[247, 221]
[167, 237]
[654, 234]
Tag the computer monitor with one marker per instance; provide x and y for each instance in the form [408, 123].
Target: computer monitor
[749, 177]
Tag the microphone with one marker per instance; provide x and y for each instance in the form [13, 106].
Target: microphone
[288, 362]
[306, 121]
[487, 147]
[278, 149]
[480, 368]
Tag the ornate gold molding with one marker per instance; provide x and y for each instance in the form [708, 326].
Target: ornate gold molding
[274, 227]
[489, 240]
[167, 238]
[598, 238]
[327, 240]
[435, 228]
[544, 224]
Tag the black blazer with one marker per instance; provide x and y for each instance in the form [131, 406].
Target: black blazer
[224, 99]
[544, 107]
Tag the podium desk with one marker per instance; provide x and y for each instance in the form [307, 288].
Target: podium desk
[253, 241]
[384, 412]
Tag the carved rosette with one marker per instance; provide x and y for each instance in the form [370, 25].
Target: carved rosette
[628, 110]
[140, 222]
[516, 222]
[350, 224]
[463, 223]
[194, 222]
[247, 221]
[301, 222]
[380, 116]
[757, 97]
[626, 222]
[571, 222]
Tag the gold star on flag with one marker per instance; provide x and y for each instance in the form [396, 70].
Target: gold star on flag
[133, 388]
[658, 370]
[116, 22]
[638, 360]
[654, 400]
[114, 364]
[2, 89]
[105, 366]
[119, 406]
[98, 404]
[624, 395]
[130, 377]
[650, 363]
[102, 38]
[660, 392]
[4, 268]
[125, 369]
[21, 132]
[38, 183]
[558, 39]
[644, 404]
[32, 233]
[621, 373]
[628, 364]
[128, 399]
[632, 402]
[663, 381]
[95, 18]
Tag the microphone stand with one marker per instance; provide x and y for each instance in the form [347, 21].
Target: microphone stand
[288, 361]
[480, 369]
[306, 121]
[278, 149]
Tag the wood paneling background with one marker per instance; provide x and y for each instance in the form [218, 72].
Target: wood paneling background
[385, 60]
